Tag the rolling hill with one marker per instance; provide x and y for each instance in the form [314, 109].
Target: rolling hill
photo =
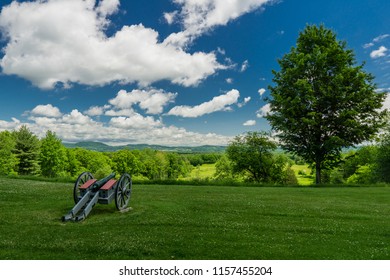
[101, 147]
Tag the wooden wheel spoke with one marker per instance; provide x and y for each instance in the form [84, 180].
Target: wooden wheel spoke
[123, 192]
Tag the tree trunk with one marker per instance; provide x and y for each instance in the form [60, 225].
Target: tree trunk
[318, 172]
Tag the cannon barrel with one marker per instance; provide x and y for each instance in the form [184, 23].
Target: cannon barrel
[98, 184]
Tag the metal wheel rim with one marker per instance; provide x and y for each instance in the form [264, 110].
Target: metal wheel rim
[123, 192]
[84, 177]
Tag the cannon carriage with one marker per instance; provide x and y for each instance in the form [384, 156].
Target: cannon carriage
[88, 191]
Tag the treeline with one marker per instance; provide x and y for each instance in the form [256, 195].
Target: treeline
[23, 153]
[366, 165]
[252, 157]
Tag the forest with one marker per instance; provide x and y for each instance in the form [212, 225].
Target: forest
[249, 158]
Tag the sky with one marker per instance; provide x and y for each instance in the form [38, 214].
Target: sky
[168, 72]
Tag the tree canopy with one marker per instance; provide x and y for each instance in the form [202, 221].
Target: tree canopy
[26, 150]
[322, 101]
[52, 155]
[253, 154]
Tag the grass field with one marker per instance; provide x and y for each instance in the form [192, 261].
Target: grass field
[185, 222]
[203, 171]
[207, 171]
[304, 180]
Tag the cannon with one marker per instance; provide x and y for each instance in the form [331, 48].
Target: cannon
[88, 191]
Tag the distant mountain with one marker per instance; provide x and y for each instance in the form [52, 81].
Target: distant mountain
[94, 146]
[101, 147]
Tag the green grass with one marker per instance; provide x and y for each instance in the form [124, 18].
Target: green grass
[203, 222]
[304, 180]
[202, 172]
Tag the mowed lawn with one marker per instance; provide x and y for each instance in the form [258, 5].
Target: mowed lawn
[202, 222]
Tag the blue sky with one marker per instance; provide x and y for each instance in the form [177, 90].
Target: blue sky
[174, 72]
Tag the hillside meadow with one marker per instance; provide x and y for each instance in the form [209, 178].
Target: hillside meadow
[198, 222]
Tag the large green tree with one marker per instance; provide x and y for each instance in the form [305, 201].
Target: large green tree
[322, 100]
[52, 156]
[27, 148]
[8, 160]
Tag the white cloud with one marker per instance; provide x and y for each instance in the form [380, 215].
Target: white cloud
[376, 40]
[249, 123]
[136, 121]
[75, 117]
[46, 111]
[125, 126]
[96, 110]
[386, 103]
[151, 100]
[261, 91]
[246, 100]
[4, 125]
[221, 51]
[170, 17]
[368, 45]
[200, 16]
[120, 113]
[218, 103]
[264, 111]
[244, 66]
[136, 129]
[380, 38]
[379, 52]
[108, 7]
[62, 41]
[229, 80]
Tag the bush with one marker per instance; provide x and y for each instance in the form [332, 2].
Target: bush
[289, 177]
[364, 175]
[336, 177]
[102, 172]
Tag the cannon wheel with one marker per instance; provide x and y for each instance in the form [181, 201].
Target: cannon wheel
[84, 177]
[123, 192]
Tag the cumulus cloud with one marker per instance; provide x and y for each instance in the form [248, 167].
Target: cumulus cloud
[4, 125]
[249, 123]
[63, 42]
[200, 16]
[46, 111]
[96, 110]
[120, 113]
[136, 121]
[75, 127]
[264, 111]
[107, 7]
[122, 124]
[218, 103]
[75, 117]
[379, 52]
[151, 100]
[261, 91]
